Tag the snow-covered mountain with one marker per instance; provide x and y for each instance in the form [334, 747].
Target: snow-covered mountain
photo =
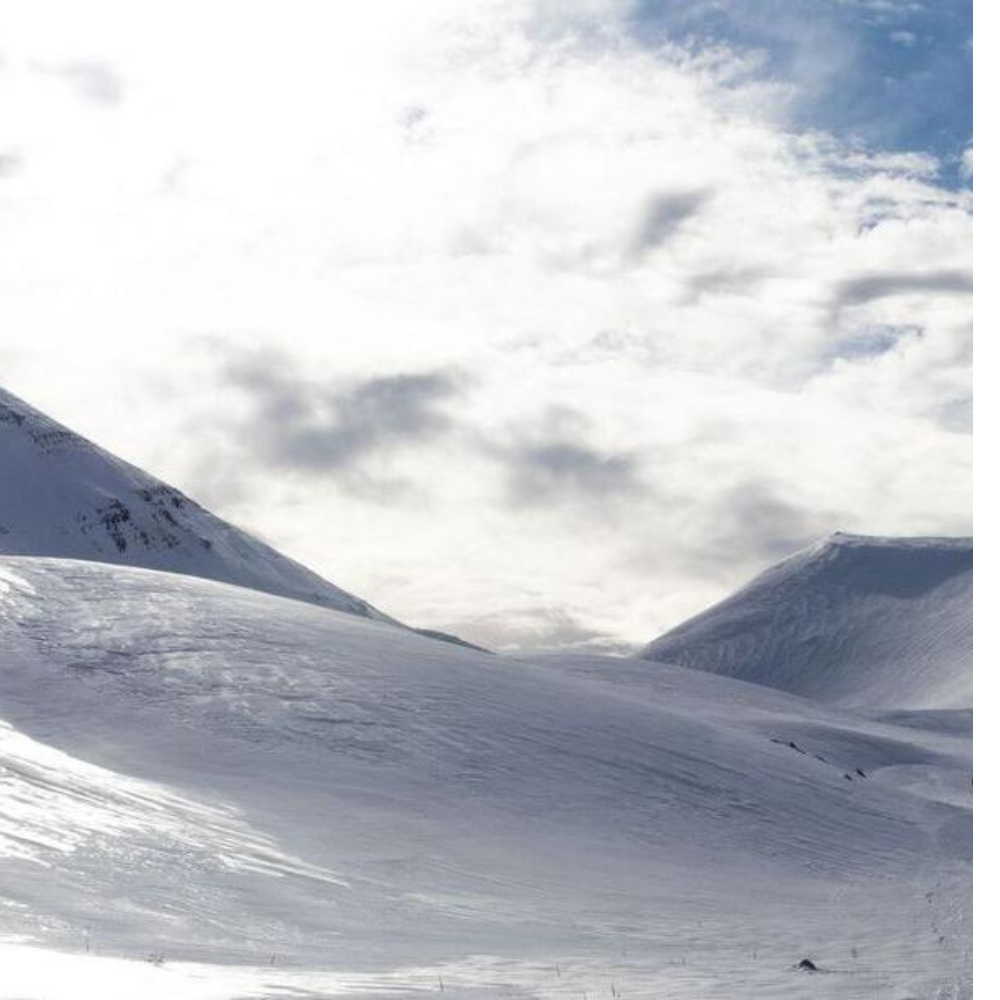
[852, 620]
[61, 495]
[262, 797]
[273, 799]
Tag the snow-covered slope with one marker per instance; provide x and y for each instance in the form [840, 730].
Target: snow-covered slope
[869, 622]
[302, 802]
[61, 495]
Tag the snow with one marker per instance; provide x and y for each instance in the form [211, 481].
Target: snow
[280, 799]
[866, 622]
[61, 495]
[211, 791]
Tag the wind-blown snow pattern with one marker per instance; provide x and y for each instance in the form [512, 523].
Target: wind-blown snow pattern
[858, 621]
[270, 799]
[61, 495]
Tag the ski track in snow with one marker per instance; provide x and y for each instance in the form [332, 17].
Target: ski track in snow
[287, 801]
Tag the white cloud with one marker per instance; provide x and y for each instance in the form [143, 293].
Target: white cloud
[967, 162]
[586, 226]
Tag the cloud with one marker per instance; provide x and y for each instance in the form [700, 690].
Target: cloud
[560, 470]
[662, 216]
[757, 523]
[895, 75]
[858, 291]
[10, 164]
[966, 162]
[315, 428]
[749, 524]
[903, 37]
[873, 340]
[611, 226]
[724, 281]
[550, 463]
[535, 629]
[93, 81]
[956, 413]
[609, 346]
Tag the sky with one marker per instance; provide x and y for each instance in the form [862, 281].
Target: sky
[547, 324]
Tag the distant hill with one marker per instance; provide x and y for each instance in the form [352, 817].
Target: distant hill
[859, 621]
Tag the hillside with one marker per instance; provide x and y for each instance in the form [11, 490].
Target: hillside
[278, 799]
[852, 620]
[61, 495]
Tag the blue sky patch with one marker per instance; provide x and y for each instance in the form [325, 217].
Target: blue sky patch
[892, 75]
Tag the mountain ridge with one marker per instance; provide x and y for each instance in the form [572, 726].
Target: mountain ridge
[64, 496]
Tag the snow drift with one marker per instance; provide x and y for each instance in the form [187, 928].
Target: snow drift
[61, 495]
[876, 622]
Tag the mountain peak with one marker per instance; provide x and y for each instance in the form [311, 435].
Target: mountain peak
[852, 619]
[63, 496]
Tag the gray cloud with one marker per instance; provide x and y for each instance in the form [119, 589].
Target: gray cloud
[732, 534]
[550, 462]
[723, 281]
[662, 216]
[757, 523]
[955, 414]
[313, 427]
[858, 291]
[874, 341]
[552, 471]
